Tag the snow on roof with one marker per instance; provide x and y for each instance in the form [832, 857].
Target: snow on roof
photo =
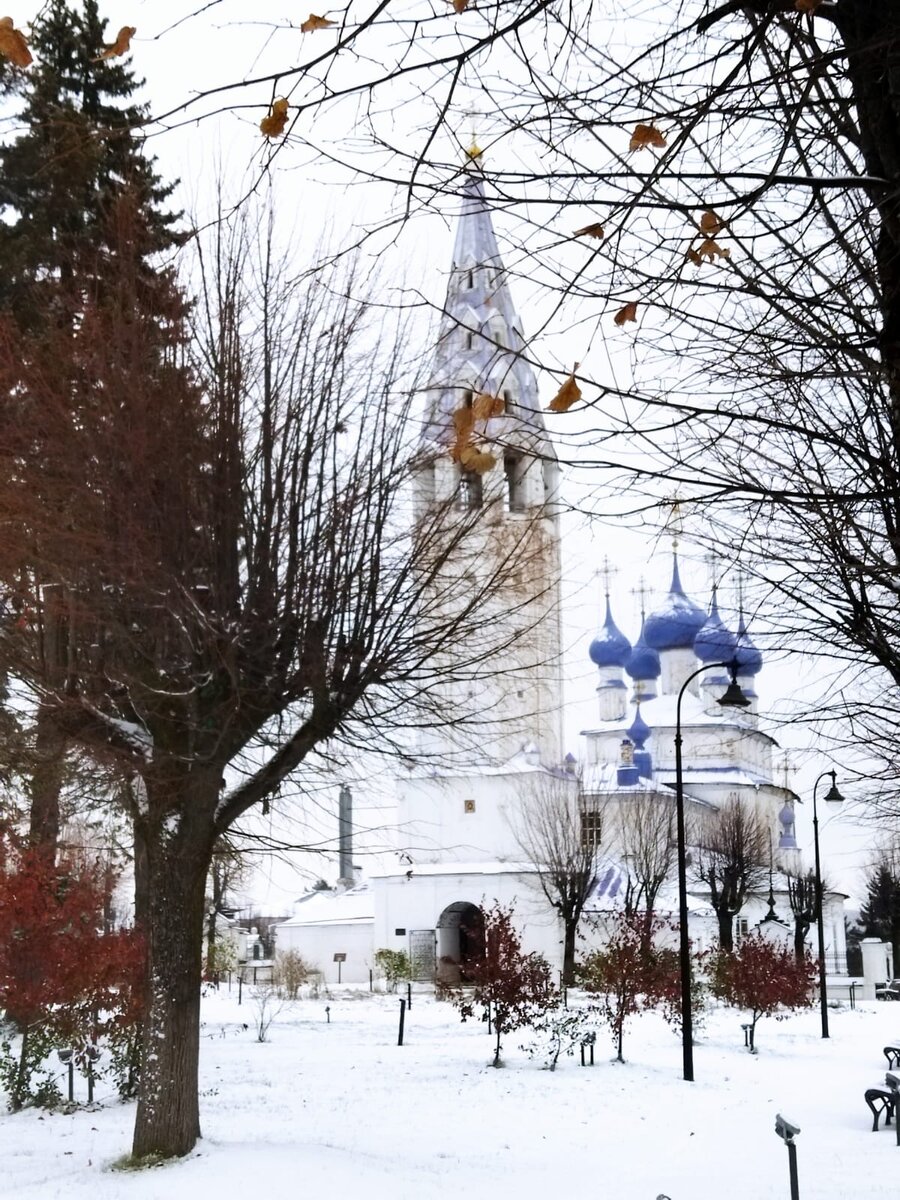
[524, 762]
[660, 714]
[603, 777]
[460, 868]
[354, 906]
[732, 776]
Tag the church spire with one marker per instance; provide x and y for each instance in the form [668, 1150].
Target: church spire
[481, 344]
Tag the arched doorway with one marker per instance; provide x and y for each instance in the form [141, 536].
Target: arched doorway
[460, 938]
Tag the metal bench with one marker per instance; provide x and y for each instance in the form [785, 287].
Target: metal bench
[892, 1053]
[884, 1099]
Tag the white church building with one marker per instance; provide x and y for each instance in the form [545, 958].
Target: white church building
[457, 815]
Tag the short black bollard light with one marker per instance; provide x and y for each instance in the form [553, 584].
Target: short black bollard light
[92, 1053]
[853, 995]
[588, 1044]
[371, 987]
[787, 1131]
[402, 1021]
[327, 1014]
[409, 996]
[65, 1057]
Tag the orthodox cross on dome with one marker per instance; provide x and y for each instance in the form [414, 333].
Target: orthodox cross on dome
[643, 592]
[606, 572]
[712, 563]
[787, 769]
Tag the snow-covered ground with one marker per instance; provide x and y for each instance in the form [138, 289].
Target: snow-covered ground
[339, 1109]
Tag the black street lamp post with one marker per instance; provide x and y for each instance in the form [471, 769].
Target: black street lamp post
[733, 698]
[833, 797]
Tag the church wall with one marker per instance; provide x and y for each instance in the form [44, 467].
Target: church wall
[466, 818]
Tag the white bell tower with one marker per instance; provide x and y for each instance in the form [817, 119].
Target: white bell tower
[513, 696]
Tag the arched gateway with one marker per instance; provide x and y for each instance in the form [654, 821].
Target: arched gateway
[460, 938]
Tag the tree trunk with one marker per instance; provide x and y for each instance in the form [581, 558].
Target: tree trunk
[46, 782]
[726, 928]
[568, 971]
[168, 1119]
[800, 929]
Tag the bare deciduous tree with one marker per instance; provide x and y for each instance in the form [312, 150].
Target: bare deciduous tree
[803, 897]
[238, 576]
[732, 860]
[551, 832]
[646, 832]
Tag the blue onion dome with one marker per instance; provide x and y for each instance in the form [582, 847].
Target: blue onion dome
[715, 643]
[749, 659]
[610, 648]
[678, 621]
[643, 662]
[639, 731]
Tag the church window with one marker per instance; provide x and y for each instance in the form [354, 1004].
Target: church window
[468, 806]
[399, 933]
[469, 340]
[741, 929]
[591, 828]
[514, 476]
[468, 399]
[470, 490]
[471, 279]
[507, 397]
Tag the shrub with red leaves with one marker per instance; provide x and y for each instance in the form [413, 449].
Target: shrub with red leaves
[510, 987]
[767, 980]
[63, 981]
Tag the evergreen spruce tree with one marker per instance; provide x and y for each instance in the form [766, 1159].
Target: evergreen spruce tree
[79, 152]
[880, 915]
[84, 223]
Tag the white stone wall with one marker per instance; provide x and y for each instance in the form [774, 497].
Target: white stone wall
[318, 945]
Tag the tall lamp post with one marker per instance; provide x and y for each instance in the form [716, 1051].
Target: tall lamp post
[733, 698]
[833, 797]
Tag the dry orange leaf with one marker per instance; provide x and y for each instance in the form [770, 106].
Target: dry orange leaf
[273, 125]
[646, 135]
[627, 313]
[486, 406]
[13, 44]
[463, 423]
[459, 6]
[120, 46]
[694, 257]
[312, 23]
[807, 6]
[463, 420]
[711, 249]
[477, 460]
[711, 222]
[595, 230]
[568, 394]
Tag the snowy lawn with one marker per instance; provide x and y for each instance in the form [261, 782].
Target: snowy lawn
[339, 1109]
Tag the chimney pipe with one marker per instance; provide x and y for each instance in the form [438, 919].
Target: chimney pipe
[345, 837]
